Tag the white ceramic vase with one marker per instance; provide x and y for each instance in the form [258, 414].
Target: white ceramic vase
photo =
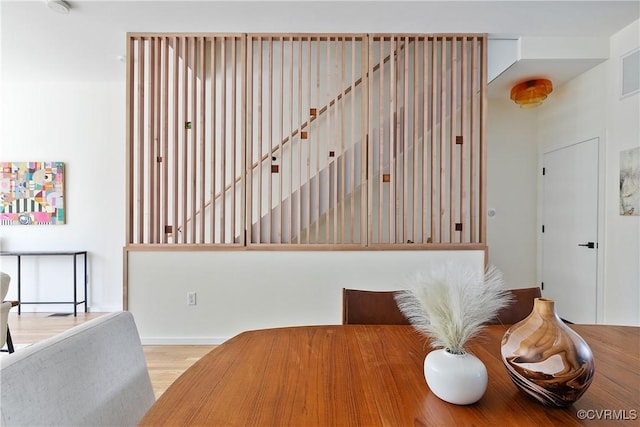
[455, 378]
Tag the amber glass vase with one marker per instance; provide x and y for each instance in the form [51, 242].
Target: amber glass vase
[546, 359]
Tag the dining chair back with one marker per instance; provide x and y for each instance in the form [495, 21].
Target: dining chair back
[520, 307]
[361, 307]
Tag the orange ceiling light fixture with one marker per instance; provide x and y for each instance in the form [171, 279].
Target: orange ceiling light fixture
[531, 93]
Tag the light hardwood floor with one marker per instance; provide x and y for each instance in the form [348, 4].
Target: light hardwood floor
[165, 362]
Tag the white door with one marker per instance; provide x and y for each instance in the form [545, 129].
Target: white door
[570, 230]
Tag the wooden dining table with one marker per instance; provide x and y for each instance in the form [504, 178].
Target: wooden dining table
[372, 375]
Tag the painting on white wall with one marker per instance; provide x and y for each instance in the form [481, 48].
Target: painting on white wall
[630, 182]
[32, 193]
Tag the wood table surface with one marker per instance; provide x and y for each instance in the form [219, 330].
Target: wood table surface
[372, 375]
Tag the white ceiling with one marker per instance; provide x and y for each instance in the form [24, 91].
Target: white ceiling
[84, 45]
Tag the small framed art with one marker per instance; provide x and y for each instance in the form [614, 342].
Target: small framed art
[32, 193]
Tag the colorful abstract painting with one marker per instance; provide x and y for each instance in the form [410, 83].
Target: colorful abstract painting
[32, 193]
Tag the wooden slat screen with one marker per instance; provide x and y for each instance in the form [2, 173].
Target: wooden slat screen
[185, 134]
[305, 139]
[425, 138]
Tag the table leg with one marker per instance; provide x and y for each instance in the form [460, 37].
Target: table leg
[75, 286]
[19, 287]
[86, 298]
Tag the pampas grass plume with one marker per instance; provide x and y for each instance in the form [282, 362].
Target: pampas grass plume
[451, 303]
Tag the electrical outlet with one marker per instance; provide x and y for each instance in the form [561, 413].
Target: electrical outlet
[191, 298]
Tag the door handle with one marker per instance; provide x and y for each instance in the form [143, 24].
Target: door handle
[589, 245]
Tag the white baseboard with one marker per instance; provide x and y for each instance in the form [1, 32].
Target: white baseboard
[183, 340]
[64, 308]
[104, 309]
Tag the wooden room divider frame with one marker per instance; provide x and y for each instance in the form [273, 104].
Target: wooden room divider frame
[306, 141]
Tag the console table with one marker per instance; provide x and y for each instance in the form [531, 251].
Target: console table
[74, 255]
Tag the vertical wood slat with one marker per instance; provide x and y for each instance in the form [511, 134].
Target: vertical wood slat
[223, 140]
[309, 144]
[233, 146]
[350, 137]
[317, 168]
[381, 143]
[151, 138]
[397, 179]
[194, 129]
[248, 146]
[331, 112]
[158, 144]
[130, 122]
[328, 141]
[141, 139]
[482, 128]
[201, 134]
[336, 109]
[392, 140]
[183, 173]
[463, 148]
[165, 138]
[331, 141]
[366, 151]
[472, 143]
[270, 121]
[399, 141]
[442, 141]
[452, 139]
[155, 205]
[259, 155]
[289, 222]
[214, 163]
[365, 139]
[190, 143]
[343, 152]
[416, 177]
[405, 138]
[300, 108]
[174, 142]
[434, 109]
[280, 137]
[425, 122]
[243, 138]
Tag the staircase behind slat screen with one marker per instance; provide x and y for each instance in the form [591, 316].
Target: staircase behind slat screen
[306, 140]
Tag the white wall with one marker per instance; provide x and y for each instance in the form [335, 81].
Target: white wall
[82, 125]
[574, 112]
[511, 191]
[622, 233]
[589, 106]
[243, 290]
